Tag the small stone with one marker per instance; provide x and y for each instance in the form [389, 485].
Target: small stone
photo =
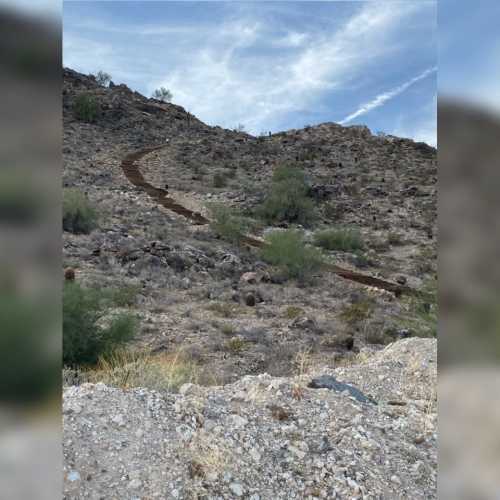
[298, 453]
[239, 421]
[305, 323]
[237, 489]
[185, 389]
[119, 420]
[419, 439]
[250, 299]
[250, 278]
[135, 484]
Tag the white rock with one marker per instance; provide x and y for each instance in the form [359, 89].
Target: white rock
[135, 484]
[239, 421]
[119, 420]
[237, 489]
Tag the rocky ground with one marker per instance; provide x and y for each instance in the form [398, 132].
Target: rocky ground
[262, 437]
[190, 291]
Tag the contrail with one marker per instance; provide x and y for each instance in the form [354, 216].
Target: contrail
[386, 96]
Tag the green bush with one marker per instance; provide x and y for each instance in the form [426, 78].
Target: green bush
[87, 333]
[79, 216]
[86, 108]
[228, 225]
[288, 199]
[343, 239]
[287, 250]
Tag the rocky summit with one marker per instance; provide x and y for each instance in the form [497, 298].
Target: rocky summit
[274, 355]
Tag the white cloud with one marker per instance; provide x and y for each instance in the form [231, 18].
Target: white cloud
[223, 88]
[291, 39]
[225, 74]
[381, 99]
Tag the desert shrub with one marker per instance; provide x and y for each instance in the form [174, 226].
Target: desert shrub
[394, 238]
[162, 94]
[228, 329]
[228, 224]
[357, 312]
[79, 216]
[126, 369]
[224, 309]
[362, 260]
[288, 251]
[342, 239]
[421, 316]
[288, 199]
[293, 312]
[103, 78]
[87, 333]
[235, 345]
[374, 334]
[219, 180]
[86, 108]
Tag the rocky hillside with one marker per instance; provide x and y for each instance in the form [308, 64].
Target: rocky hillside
[192, 285]
[221, 314]
[373, 435]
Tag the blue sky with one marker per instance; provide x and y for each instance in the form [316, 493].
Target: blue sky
[269, 65]
[469, 51]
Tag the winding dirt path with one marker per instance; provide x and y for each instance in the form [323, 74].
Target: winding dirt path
[131, 170]
[134, 175]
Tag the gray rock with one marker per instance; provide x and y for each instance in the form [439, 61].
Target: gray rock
[330, 382]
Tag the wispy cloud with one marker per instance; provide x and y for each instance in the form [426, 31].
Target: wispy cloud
[381, 99]
[260, 92]
[249, 64]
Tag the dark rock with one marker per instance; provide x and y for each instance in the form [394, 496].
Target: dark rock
[330, 382]
[305, 323]
[344, 340]
[69, 274]
[176, 262]
[250, 299]
[322, 192]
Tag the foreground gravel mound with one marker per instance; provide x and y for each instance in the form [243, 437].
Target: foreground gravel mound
[371, 435]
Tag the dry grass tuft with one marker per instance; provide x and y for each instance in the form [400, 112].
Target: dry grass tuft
[127, 369]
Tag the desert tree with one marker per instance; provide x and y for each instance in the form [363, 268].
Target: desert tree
[103, 78]
[162, 94]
